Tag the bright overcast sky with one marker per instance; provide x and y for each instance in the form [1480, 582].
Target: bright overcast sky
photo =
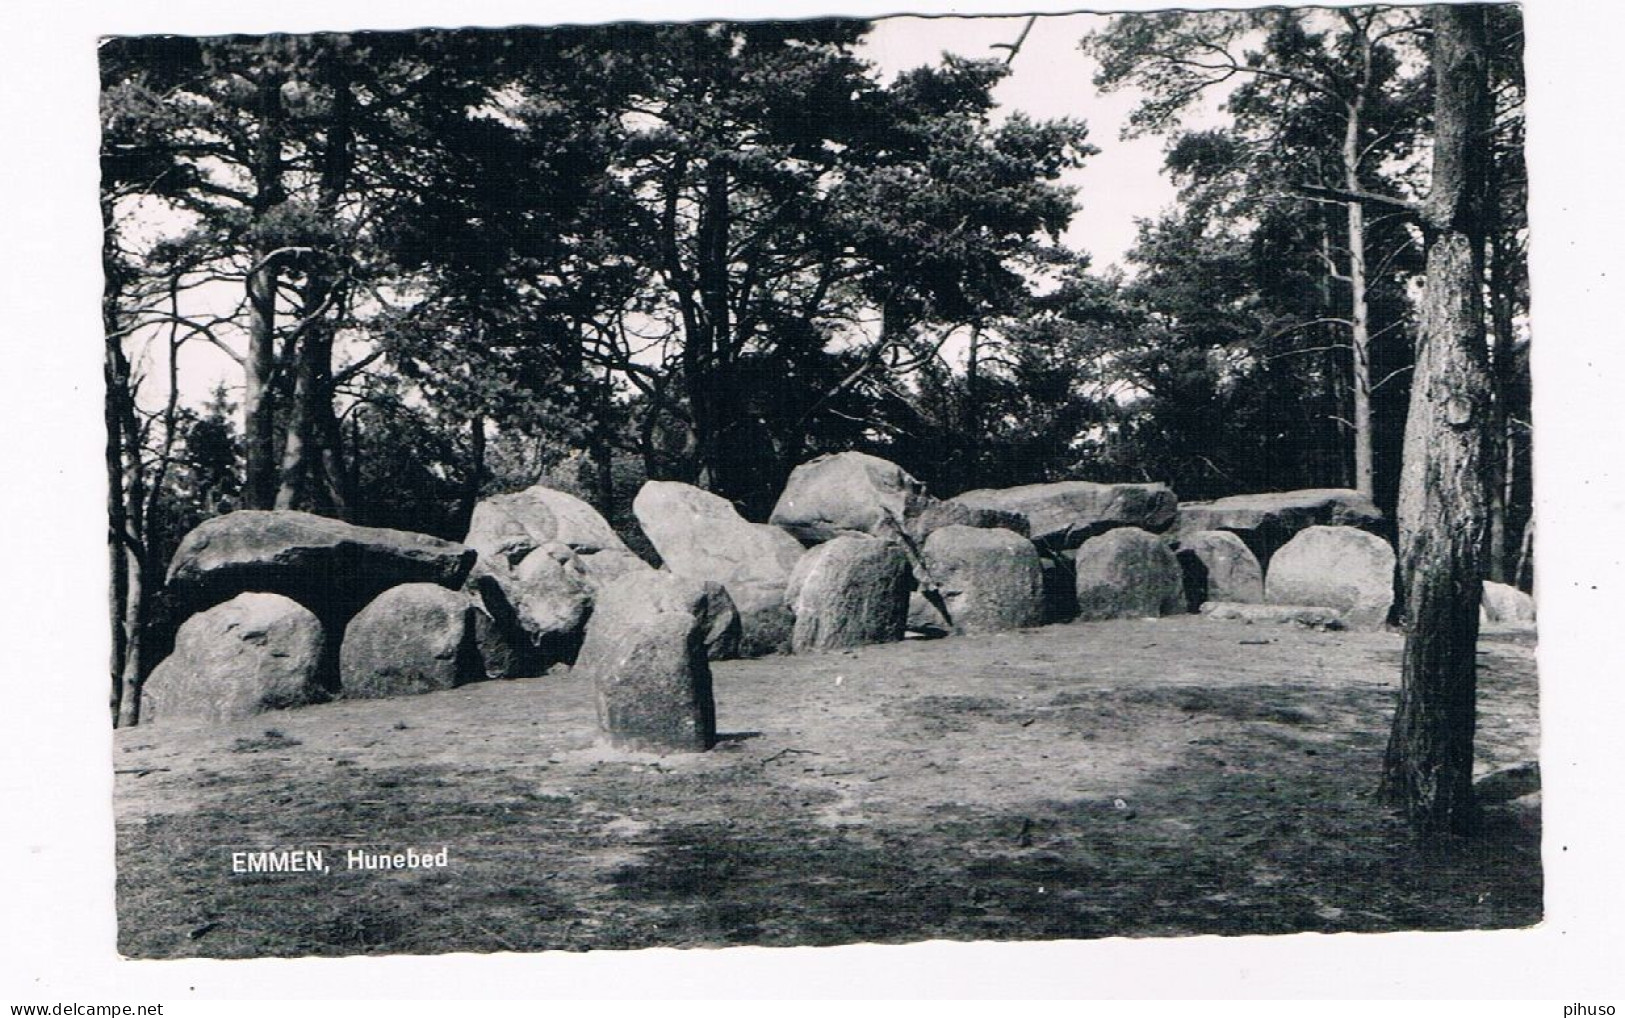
[1050, 78]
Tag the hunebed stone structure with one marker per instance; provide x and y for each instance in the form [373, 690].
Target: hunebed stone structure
[290, 609]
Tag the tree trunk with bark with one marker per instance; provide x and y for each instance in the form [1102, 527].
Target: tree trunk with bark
[1359, 307]
[312, 458]
[259, 366]
[116, 377]
[1444, 494]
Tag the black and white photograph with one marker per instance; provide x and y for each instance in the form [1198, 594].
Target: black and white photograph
[711, 480]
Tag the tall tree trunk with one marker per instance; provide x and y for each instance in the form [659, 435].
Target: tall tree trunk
[135, 624]
[134, 666]
[1502, 447]
[126, 495]
[1359, 308]
[475, 479]
[601, 448]
[339, 476]
[1443, 500]
[115, 374]
[1503, 444]
[294, 490]
[710, 389]
[312, 465]
[259, 366]
[1525, 574]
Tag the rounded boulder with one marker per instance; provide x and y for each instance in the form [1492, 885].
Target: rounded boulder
[701, 537]
[848, 592]
[1335, 567]
[415, 638]
[1218, 566]
[254, 653]
[1128, 573]
[987, 580]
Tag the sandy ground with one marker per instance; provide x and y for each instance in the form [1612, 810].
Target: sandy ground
[1143, 778]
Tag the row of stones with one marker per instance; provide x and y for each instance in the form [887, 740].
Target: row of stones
[536, 565]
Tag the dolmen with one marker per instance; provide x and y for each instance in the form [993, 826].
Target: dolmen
[266, 597]
[283, 609]
[1267, 520]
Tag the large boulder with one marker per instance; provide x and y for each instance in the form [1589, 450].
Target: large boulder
[987, 580]
[700, 537]
[645, 654]
[254, 653]
[601, 567]
[856, 493]
[506, 528]
[1064, 514]
[1218, 566]
[329, 566]
[1335, 567]
[1503, 603]
[850, 591]
[415, 638]
[1268, 520]
[1128, 573]
[541, 605]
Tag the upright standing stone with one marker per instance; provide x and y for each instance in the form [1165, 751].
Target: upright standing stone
[415, 638]
[988, 580]
[254, 653]
[700, 537]
[1335, 567]
[848, 592]
[645, 653]
[1218, 566]
[1128, 573]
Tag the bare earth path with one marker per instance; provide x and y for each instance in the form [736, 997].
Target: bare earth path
[1141, 778]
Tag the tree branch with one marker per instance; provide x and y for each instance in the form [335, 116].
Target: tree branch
[1346, 196]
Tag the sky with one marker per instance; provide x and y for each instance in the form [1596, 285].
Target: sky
[1051, 78]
